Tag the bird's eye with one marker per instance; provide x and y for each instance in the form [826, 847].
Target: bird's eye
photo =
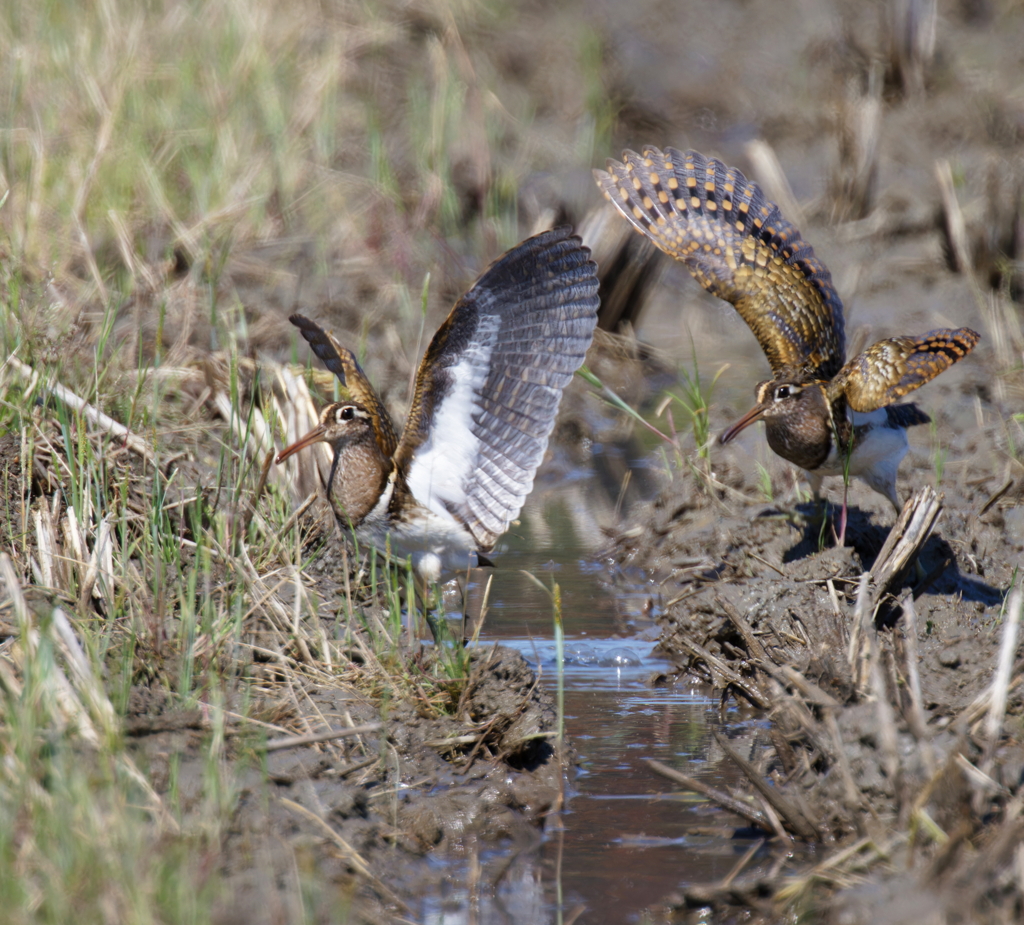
[345, 414]
[782, 392]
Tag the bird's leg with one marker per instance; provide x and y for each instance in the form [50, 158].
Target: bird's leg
[815, 481]
[847, 456]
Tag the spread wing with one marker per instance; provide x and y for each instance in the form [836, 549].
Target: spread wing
[738, 246]
[891, 368]
[489, 385]
[342, 362]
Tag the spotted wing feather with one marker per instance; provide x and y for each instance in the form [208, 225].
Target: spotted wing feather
[892, 368]
[738, 246]
[489, 385]
[343, 363]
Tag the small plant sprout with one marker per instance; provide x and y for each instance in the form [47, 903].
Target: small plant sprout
[616, 402]
[764, 482]
[938, 453]
[697, 402]
[555, 594]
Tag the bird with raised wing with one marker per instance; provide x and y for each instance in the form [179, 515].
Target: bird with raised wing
[486, 394]
[827, 415]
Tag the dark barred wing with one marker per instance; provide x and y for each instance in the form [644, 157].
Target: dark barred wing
[738, 246]
[906, 415]
[892, 368]
[342, 362]
[490, 383]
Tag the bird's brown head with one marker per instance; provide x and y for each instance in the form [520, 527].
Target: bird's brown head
[797, 420]
[341, 423]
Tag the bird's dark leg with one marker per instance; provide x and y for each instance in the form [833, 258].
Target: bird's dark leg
[847, 456]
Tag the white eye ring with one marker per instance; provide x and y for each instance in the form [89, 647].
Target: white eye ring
[344, 414]
[782, 392]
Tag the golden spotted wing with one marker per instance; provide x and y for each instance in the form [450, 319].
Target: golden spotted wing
[490, 383]
[738, 246]
[891, 368]
[343, 363]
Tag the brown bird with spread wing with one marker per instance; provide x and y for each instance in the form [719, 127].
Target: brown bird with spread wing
[824, 414]
[487, 392]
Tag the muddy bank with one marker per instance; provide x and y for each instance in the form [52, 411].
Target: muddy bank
[889, 750]
[350, 822]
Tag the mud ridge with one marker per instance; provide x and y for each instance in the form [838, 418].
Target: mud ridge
[890, 676]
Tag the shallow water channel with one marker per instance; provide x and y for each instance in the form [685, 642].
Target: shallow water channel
[623, 842]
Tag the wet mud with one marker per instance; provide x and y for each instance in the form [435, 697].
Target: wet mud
[883, 735]
[405, 783]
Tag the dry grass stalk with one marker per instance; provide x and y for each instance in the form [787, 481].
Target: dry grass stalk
[861, 645]
[275, 745]
[726, 801]
[96, 417]
[795, 820]
[905, 541]
[917, 718]
[911, 28]
[354, 858]
[766, 167]
[886, 719]
[954, 223]
[725, 676]
[796, 886]
[858, 127]
[1001, 680]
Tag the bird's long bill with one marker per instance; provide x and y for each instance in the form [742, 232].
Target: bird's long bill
[752, 415]
[316, 435]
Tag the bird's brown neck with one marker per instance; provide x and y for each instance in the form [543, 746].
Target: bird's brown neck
[359, 475]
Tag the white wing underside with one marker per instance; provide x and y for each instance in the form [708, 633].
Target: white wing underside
[447, 459]
[494, 381]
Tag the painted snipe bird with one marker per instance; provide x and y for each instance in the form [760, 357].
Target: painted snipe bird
[821, 412]
[486, 394]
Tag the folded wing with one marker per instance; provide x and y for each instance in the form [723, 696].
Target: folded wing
[490, 383]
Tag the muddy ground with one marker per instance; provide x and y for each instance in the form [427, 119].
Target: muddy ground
[391, 794]
[746, 600]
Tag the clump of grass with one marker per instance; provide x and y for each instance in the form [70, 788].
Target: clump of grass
[146, 572]
[695, 400]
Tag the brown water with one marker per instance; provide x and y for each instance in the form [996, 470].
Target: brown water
[623, 841]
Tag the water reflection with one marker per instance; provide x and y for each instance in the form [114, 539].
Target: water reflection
[624, 840]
